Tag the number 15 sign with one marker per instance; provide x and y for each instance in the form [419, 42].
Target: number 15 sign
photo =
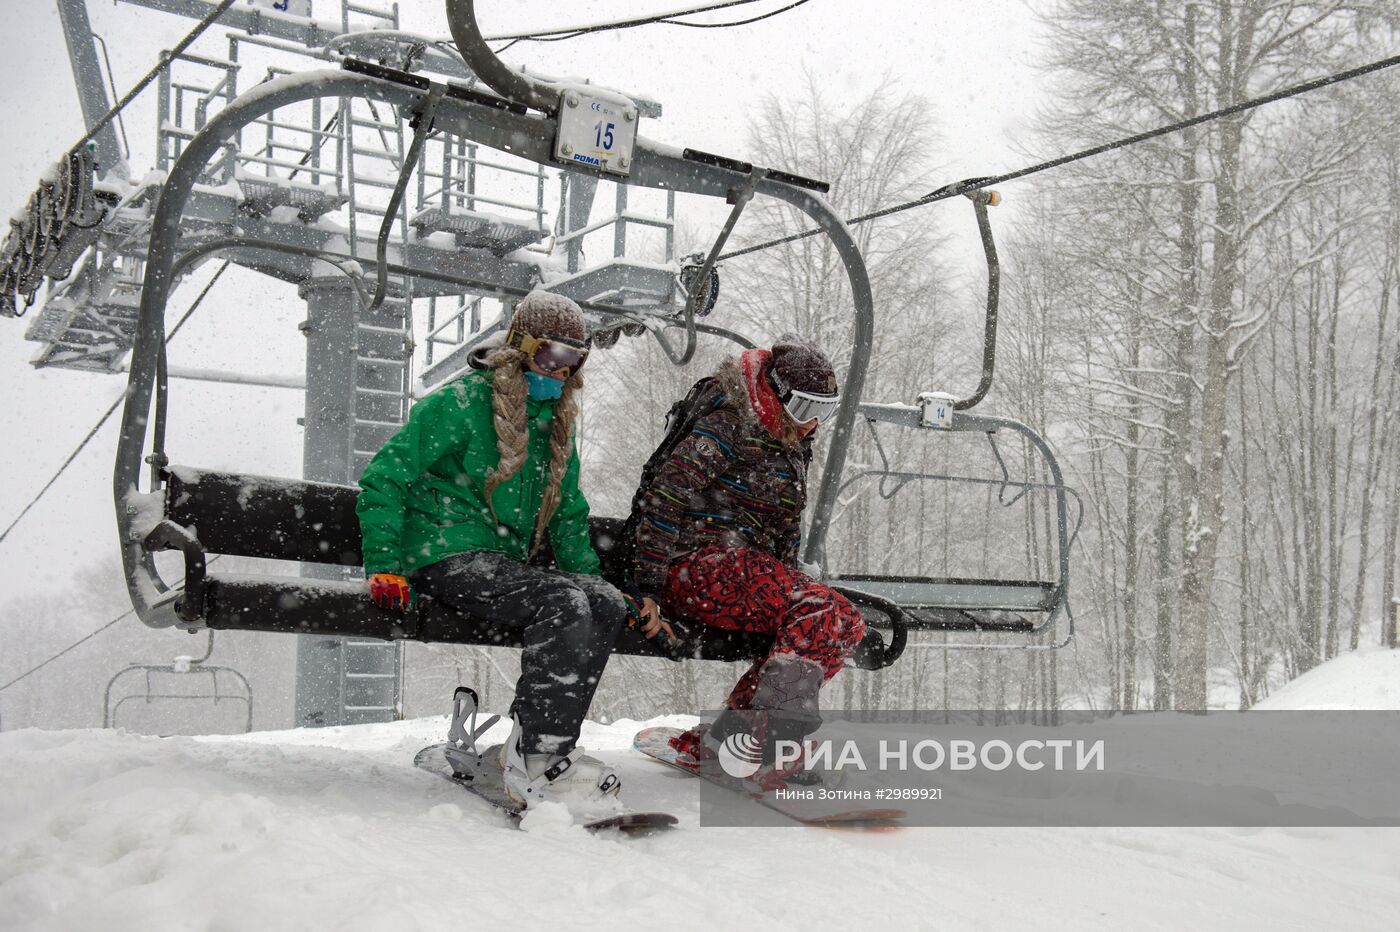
[596, 131]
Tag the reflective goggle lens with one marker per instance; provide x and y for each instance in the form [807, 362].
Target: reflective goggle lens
[554, 355]
[802, 407]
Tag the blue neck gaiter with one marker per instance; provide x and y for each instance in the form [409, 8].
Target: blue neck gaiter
[543, 388]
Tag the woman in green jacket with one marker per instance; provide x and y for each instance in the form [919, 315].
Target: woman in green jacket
[465, 494]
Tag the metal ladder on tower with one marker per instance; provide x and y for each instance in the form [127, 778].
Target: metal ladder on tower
[374, 152]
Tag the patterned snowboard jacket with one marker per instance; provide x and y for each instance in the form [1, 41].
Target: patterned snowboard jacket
[731, 481]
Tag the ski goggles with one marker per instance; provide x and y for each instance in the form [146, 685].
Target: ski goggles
[805, 406]
[555, 354]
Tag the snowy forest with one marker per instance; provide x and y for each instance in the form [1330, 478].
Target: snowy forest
[1203, 325]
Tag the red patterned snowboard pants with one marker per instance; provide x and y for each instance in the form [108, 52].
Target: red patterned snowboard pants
[745, 589]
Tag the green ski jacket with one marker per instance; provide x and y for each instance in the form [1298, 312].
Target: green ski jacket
[422, 496]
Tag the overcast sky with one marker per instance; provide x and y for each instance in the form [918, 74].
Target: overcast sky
[974, 61]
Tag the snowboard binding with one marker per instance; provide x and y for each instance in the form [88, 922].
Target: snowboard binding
[480, 770]
[463, 732]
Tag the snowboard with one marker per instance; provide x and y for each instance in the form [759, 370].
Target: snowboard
[481, 777]
[656, 744]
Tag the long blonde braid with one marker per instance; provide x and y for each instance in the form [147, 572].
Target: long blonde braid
[508, 391]
[561, 448]
[508, 394]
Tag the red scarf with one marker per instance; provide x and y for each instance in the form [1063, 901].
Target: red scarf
[763, 399]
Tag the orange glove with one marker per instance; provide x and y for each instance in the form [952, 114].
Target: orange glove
[391, 591]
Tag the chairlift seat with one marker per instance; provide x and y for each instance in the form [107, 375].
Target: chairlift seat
[1009, 595]
[959, 604]
[314, 522]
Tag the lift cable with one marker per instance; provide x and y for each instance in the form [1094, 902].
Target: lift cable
[165, 59]
[74, 645]
[974, 184]
[110, 411]
[168, 337]
[87, 637]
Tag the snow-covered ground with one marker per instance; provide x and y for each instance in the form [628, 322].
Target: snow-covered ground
[336, 829]
[1364, 679]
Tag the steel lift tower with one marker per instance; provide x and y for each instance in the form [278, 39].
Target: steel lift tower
[314, 195]
[463, 184]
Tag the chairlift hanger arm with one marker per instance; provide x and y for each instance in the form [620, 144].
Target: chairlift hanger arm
[981, 200]
[494, 73]
[739, 197]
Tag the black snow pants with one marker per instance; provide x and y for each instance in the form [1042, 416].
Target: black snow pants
[569, 623]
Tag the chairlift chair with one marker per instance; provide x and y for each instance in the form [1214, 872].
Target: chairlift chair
[223, 685]
[200, 512]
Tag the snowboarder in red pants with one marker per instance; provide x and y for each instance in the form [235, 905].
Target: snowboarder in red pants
[716, 525]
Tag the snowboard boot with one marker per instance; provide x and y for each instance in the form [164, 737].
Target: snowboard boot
[690, 745]
[784, 708]
[530, 778]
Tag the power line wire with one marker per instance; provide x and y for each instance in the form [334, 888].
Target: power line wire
[154, 73]
[665, 19]
[737, 22]
[543, 34]
[963, 187]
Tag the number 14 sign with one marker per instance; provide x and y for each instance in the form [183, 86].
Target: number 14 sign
[596, 131]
